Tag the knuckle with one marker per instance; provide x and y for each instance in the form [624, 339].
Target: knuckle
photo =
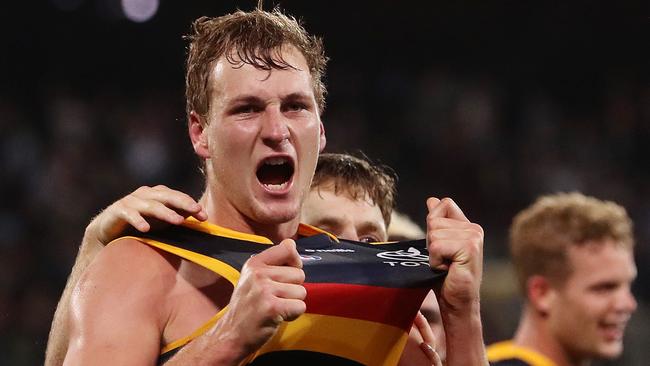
[476, 236]
[432, 221]
[142, 189]
[258, 275]
[301, 275]
[478, 228]
[303, 293]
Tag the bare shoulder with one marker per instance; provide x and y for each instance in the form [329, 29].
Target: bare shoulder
[129, 265]
[116, 305]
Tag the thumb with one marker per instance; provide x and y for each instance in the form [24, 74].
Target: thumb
[446, 208]
[283, 254]
[292, 256]
[432, 202]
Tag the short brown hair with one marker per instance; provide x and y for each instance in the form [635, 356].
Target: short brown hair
[360, 178]
[541, 234]
[255, 38]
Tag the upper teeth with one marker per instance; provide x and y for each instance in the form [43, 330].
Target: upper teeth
[276, 161]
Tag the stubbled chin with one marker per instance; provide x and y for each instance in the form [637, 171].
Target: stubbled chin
[277, 213]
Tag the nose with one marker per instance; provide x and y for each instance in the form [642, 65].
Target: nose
[349, 232]
[275, 130]
[626, 301]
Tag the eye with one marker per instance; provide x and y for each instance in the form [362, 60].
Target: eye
[294, 107]
[369, 239]
[605, 287]
[245, 109]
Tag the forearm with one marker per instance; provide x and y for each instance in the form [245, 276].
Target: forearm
[464, 334]
[213, 349]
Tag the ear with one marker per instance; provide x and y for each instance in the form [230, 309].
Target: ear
[198, 135]
[323, 140]
[541, 294]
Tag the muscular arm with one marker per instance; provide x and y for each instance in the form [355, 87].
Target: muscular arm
[120, 310]
[117, 310]
[159, 203]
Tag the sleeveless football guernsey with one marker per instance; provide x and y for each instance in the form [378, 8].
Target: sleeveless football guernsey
[361, 298]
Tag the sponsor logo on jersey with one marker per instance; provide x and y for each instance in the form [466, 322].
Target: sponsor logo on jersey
[309, 258]
[411, 257]
[336, 250]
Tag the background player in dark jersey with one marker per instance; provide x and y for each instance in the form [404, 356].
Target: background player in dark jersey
[573, 256]
[254, 98]
[351, 197]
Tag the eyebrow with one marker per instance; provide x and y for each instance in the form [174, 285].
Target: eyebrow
[244, 99]
[328, 221]
[248, 98]
[296, 96]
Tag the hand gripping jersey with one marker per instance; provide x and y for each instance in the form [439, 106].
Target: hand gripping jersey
[361, 298]
[506, 353]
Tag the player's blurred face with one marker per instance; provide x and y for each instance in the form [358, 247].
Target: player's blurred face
[263, 134]
[590, 311]
[344, 216]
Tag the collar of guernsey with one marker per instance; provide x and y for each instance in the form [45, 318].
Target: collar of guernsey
[508, 350]
[360, 306]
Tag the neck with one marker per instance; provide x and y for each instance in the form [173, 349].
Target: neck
[533, 333]
[221, 212]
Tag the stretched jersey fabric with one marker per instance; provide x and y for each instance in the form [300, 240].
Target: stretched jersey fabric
[506, 353]
[361, 298]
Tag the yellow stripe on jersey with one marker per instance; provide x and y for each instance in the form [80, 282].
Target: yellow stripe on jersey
[364, 341]
[508, 350]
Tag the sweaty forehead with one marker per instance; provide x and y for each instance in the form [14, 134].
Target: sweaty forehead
[230, 77]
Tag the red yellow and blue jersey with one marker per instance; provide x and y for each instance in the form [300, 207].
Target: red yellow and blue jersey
[361, 298]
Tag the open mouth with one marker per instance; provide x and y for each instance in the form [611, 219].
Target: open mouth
[275, 173]
[613, 331]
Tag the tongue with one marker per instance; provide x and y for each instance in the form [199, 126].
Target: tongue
[274, 174]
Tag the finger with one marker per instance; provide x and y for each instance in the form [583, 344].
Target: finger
[289, 291]
[152, 208]
[133, 218]
[176, 200]
[432, 202]
[431, 354]
[285, 274]
[290, 309]
[468, 231]
[424, 328]
[283, 254]
[445, 208]
[444, 252]
[435, 223]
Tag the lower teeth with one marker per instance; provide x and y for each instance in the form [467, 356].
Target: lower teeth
[275, 187]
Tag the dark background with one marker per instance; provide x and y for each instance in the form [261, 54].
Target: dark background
[490, 102]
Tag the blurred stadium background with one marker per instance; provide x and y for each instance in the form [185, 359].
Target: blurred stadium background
[490, 102]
